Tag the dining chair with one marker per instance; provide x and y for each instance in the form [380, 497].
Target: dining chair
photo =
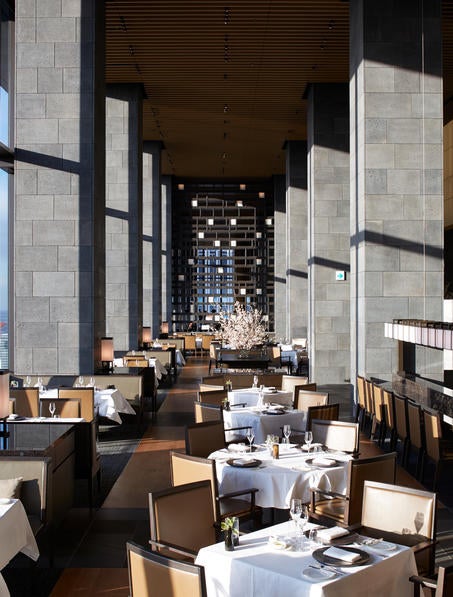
[205, 412]
[341, 436]
[189, 469]
[346, 510]
[378, 424]
[86, 398]
[290, 381]
[155, 575]
[203, 387]
[401, 426]
[360, 412]
[204, 438]
[305, 398]
[64, 407]
[212, 396]
[26, 401]
[401, 515]
[331, 412]
[182, 519]
[206, 340]
[190, 344]
[388, 405]
[438, 449]
[369, 404]
[214, 348]
[213, 380]
[441, 585]
[416, 436]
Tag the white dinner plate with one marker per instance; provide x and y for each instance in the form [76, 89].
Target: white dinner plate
[382, 547]
[317, 574]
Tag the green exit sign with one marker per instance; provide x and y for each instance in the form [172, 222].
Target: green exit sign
[340, 276]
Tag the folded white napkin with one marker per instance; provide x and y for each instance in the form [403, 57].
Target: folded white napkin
[237, 447]
[279, 542]
[332, 533]
[321, 461]
[342, 554]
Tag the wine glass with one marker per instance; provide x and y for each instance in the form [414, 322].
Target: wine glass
[250, 436]
[295, 510]
[418, 521]
[27, 381]
[286, 432]
[255, 381]
[92, 382]
[308, 439]
[40, 384]
[52, 409]
[81, 380]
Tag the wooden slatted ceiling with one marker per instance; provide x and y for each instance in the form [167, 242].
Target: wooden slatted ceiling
[225, 80]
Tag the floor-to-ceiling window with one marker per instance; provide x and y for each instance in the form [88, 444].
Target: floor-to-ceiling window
[6, 165]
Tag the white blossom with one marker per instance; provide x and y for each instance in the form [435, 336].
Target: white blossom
[242, 328]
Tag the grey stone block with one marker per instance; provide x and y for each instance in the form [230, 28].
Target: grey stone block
[32, 309]
[402, 284]
[48, 8]
[29, 206]
[23, 284]
[403, 182]
[45, 361]
[383, 104]
[56, 30]
[36, 335]
[23, 234]
[54, 182]
[376, 181]
[26, 80]
[53, 284]
[30, 55]
[50, 80]
[375, 130]
[77, 258]
[379, 79]
[26, 182]
[67, 54]
[34, 130]
[25, 8]
[63, 105]
[25, 30]
[68, 309]
[35, 259]
[380, 155]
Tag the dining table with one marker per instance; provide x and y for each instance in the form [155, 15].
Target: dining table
[17, 536]
[251, 396]
[278, 480]
[273, 562]
[109, 403]
[266, 420]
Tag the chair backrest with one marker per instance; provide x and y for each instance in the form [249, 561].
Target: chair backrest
[26, 401]
[86, 398]
[361, 392]
[206, 340]
[378, 402]
[336, 435]
[290, 381]
[204, 438]
[389, 408]
[207, 412]
[433, 433]
[394, 509]
[212, 396]
[270, 380]
[369, 396]
[303, 399]
[64, 407]
[414, 418]
[189, 343]
[213, 380]
[400, 405]
[155, 575]
[331, 412]
[183, 516]
[380, 468]
[202, 387]
[189, 469]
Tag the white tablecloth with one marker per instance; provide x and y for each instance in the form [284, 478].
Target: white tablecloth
[159, 369]
[109, 403]
[250, 396]
[263, 424]
[180, 360]
[279, 480]
[16, 535]
[255, 568]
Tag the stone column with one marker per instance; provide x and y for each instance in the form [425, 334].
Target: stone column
[280, 257]
[152, 236]
[124, 214]
[328, 247]
[396, 177]
[296, 240]
[166, 189]
[59, 186]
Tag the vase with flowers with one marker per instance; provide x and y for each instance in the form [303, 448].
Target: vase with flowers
[230, 527]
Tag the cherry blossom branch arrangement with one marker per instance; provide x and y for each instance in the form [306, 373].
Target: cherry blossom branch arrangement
[242, 328]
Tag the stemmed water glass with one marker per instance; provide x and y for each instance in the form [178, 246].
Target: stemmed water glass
[27, 381]
[286, 432]
[308, 439]
[40, 384]
[255, 381]
[81, 381]
[52, 409]
[250, 436]
[295, 510]
[92, 382]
